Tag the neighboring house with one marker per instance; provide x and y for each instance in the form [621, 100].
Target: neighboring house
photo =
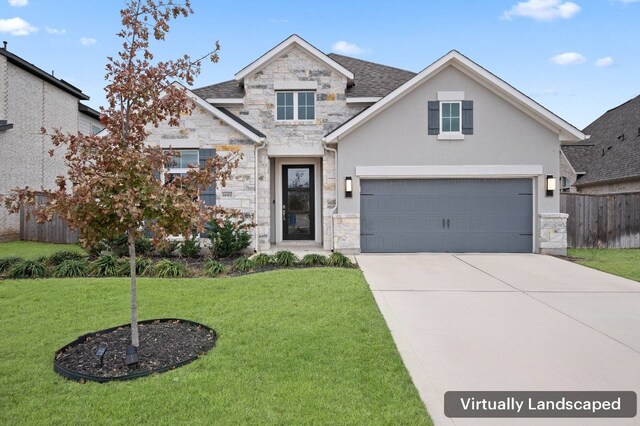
[610, 162]
[30, 99]
[362, 157]
[88, 120]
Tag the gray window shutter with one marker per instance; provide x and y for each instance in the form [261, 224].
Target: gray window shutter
[208, 195]
[434, 117]
[467, 117]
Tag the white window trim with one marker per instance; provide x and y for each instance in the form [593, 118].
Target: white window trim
[295, 106]
[450, 135]
[179, 170]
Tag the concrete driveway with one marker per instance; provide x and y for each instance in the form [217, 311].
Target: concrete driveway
[515, 322]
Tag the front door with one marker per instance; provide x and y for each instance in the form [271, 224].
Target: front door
[298, 203]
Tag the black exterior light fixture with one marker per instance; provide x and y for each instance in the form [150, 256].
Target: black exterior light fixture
[348, 187]
[551, 185]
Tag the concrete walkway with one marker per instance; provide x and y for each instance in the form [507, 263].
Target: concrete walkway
[508, 322]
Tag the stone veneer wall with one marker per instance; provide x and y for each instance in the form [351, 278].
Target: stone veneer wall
[346, 234]
[331, 111]
[553, 233]
[30, 103]
[203, 130]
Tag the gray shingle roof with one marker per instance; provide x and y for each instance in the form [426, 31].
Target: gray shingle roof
[226, 89]
[579, 155]
[616, 136]
[371, 79]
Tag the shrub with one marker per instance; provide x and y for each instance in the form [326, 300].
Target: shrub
[59, 257]
[228, 238]
[71, 268]
[143, 246]
[339, 260]
[167, 249]
[124, 268]
[261, 260]
[7, 262]
[170, 269]
[243, 264]
[314, 260]
[105, 266]
[27, 268]
[119, 245]
[285, 258]
[142, 265]
[213, 268]
[190, 247]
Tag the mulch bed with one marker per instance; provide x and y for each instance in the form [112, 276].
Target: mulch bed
[164, 344]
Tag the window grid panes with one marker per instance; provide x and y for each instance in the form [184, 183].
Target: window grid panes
[295, 106]
[187, 157]
[451, 116]
[306, 106]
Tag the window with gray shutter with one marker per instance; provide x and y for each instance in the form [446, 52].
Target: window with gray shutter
[434, 117]
[208, 195]
[467, 117]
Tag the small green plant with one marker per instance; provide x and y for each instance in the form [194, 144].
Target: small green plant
[143, 246]
[314, 259]
[213, 268]
[339, 260]
[262, 259]
[285, 258]
[124, 268]
[190, 247]
[59, 257]
[142, 265]
[71, 268]
[170, 269]
[7, 262]
[27, 268]
[167, 249]
[228, 238]
[105, 266]
[243, 264]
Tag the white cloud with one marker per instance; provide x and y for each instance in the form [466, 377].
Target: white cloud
[18, 3]
[568, 58]
[55, 31]
[86, 41]
[542, 10]
[16, 27]
[347, 48]
[605, 62]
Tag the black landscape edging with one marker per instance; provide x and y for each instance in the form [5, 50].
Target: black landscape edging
[77, 376]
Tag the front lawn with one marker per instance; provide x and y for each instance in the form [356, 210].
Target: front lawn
[295, 347]
[622, 262]
[34, 250]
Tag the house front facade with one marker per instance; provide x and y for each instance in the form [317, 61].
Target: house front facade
[354, 156]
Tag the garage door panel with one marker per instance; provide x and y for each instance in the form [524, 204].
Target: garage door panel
[446, 215]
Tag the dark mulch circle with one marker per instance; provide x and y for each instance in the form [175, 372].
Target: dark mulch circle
[164, 344]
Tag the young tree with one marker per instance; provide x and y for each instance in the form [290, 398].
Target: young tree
[113, 190]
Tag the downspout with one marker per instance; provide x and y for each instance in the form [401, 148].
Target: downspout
[335, 207]
[259, 146]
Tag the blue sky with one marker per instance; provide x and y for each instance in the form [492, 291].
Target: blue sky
[578, 58]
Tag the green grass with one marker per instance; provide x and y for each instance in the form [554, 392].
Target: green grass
[622, 262]
[296, 347]
[33, 250]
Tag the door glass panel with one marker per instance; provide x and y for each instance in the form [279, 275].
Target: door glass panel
[298, 203]
[298, 178]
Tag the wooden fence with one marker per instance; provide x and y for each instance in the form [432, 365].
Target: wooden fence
[55, 231]
[602, 221]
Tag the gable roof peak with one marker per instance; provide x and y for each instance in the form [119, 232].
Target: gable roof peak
[292, 40]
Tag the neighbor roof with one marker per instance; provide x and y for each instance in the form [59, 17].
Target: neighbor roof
[616, 139]
[566, 131]
[87, 110]
[32, 69]
[579, 155]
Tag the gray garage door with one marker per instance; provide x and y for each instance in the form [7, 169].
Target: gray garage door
[446, 215]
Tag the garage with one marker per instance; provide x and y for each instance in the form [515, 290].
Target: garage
[446, 215]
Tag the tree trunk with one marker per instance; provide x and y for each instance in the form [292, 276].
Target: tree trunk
[134, 298]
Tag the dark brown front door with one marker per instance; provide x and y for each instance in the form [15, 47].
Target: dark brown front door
[298, 221]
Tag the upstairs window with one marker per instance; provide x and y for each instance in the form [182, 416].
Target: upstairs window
[450, 117]
[295, 106]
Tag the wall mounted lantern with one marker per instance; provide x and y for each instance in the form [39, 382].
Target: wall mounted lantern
[551, 185]
[348, 187]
